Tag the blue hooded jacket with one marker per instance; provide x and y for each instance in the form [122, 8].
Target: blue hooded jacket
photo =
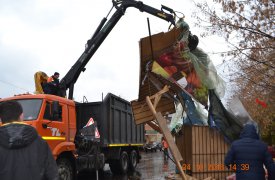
[248, 155]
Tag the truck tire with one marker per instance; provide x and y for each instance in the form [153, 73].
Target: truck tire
[133, 159]
[65, 169]
[120, 166]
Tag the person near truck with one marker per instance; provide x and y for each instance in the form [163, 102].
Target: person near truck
[54, 78]
[53, 84]
[24, 155]
[248, 156]
[165, 148]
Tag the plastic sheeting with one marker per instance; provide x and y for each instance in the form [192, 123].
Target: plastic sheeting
[194, 114]
[207, 72]
[177, 119]
[178, 61]
[222, 119]
[237, 109]
[203, 66]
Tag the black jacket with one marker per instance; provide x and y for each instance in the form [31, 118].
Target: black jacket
[24, 155]
[248, 155]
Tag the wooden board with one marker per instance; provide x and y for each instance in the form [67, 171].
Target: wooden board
[160, 42]
[147, 86]
[170, 140]
[204, 149]
[143, 114]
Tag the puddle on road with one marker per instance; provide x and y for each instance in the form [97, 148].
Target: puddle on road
[151, 167]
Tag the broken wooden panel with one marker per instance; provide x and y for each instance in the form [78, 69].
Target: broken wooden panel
[169, 138]
[151, 83]
[154, 126]
[204, 149]
[143, 114]
[160, 43]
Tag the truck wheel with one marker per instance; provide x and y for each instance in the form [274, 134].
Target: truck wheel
[120, 166]
[133, 159]
[65, 169]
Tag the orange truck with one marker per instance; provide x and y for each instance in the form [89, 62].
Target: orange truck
[62, 122]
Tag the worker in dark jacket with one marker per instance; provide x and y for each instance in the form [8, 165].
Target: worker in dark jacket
[52, 85]
[249, 155]
[24, 155]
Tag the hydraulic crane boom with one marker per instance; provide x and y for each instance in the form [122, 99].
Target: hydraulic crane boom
[102, 31]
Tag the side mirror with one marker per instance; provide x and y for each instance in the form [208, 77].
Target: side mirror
[55, 110]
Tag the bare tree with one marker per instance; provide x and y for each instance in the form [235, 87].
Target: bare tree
[248, 28]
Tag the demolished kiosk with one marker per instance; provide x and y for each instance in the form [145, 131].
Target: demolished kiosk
[179, 78]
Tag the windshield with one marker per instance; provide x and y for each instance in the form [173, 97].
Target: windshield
[31, 108]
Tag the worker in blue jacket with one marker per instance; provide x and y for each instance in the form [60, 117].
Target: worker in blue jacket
[248, 156]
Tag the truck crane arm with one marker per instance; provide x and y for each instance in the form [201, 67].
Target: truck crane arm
[102, 31]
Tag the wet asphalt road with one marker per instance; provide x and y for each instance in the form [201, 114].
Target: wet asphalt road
[151, 167]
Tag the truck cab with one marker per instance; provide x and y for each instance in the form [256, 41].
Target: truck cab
[53, 117]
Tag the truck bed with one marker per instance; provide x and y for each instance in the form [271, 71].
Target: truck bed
[114, 119]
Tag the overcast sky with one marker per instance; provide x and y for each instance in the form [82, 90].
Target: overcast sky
[50, 35]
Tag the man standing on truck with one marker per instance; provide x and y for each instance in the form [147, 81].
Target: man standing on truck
[24, 154]
[53, 83]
